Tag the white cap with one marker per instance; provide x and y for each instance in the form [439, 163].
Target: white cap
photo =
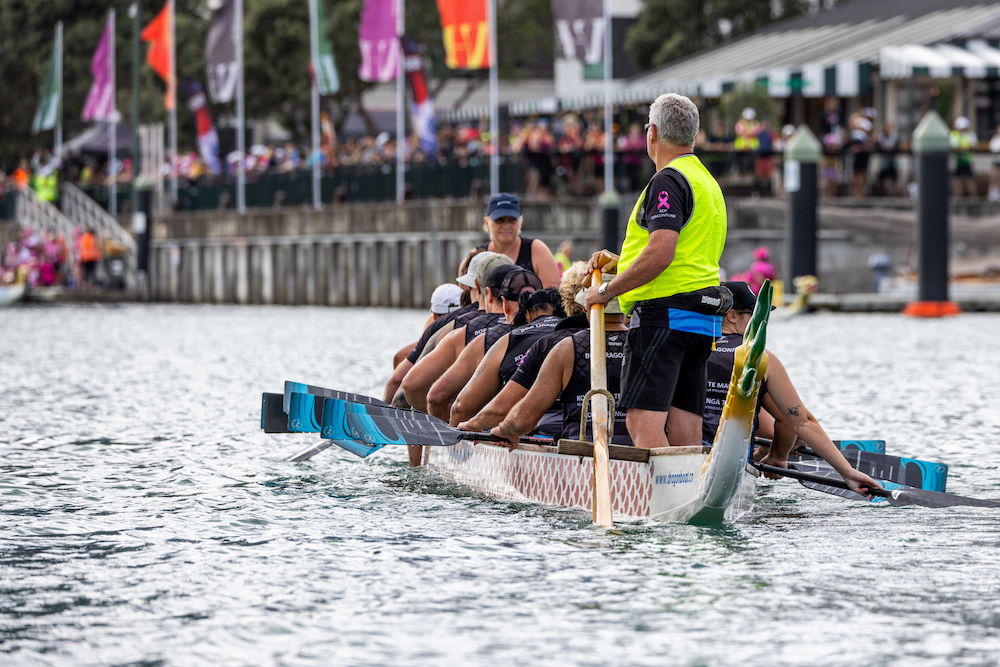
[446, 298]
[961, 123]
[749, 113]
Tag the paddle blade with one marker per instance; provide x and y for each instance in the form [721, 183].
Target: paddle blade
[304, 413]
[903, 497]
[304, 388]
[377, 426]
[272, 418]
[353, 447]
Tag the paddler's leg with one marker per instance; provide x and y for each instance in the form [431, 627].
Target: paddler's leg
[647, 427]
[416, 453]
[683, 428]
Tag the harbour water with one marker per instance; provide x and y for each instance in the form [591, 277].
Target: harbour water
[146, 520]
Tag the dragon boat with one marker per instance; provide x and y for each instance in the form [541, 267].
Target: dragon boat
[685, 484]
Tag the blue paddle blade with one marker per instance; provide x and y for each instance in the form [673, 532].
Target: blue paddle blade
[322, 392]
[304, 413]
[357, 448]
[351, 422]
[874, 446]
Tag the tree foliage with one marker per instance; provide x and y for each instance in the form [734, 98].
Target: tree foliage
[668, 30]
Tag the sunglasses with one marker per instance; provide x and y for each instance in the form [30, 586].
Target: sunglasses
[648, 125]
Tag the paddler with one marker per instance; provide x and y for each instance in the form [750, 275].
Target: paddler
[501, 286]
[565, 375]
[550, 424]
[503, 223]
[668, 277]
[432, 366]
[538, 314]
[445, 299]
[777, 396]
[440, 327]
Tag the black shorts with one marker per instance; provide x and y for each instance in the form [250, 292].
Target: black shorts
[664, 368]
[963, 169]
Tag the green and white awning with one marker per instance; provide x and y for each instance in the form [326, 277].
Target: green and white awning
[977, 60]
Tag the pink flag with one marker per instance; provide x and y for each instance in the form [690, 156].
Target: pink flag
[100, 101]
[378, 42]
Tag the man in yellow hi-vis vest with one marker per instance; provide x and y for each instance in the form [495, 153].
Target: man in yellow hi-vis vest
[668, 282]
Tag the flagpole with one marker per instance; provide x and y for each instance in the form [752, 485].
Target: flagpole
[609, 139]
[173, 104]
[494, 94]
[400, 103]
[241, 203]
[59, 66]
[112, 124]
[314, 58]
[134, 12]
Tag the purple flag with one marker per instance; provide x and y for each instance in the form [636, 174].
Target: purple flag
[378, 42]
[101, 99]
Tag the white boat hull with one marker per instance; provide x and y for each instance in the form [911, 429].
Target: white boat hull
[673, 485]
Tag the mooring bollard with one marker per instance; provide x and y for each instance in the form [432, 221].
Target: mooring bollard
[802, 155]
[930, 147]
[610, 201]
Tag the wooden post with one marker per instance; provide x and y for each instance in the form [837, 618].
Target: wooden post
[599, 413]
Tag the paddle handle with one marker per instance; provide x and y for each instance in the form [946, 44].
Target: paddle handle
[816, 479]
[599, 407]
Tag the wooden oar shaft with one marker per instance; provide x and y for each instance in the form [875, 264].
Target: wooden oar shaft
[599, 411]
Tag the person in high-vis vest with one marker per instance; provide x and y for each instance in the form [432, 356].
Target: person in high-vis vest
[668, 282]
[963, 141]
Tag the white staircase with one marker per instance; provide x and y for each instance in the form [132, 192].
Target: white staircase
[30, 212]
[85, 213]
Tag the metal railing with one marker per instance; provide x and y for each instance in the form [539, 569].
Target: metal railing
[85, 213]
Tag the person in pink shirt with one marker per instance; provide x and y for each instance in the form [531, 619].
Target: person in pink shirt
[761, 269]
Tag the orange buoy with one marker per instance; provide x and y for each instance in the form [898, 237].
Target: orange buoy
[931, 309]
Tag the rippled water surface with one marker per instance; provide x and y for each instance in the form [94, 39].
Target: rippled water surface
[147, 520]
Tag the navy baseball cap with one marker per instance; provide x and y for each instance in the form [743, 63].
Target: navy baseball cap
[503, 204]
[743, 296]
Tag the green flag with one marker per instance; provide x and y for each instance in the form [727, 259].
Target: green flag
[324, 71]
[47, 116]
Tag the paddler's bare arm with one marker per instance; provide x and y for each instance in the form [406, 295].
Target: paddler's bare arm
[545, 264]
[497, 409]
[552, 378]
[446, 388]
[484, 385]
[398, 373]
[651, 262]
[782, 397]
[427, 370]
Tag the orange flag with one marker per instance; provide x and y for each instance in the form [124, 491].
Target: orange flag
[159, 34]
[466, 33]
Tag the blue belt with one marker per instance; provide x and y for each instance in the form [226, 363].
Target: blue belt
[696, 323]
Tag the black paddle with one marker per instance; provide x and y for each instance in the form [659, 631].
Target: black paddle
[896, 497]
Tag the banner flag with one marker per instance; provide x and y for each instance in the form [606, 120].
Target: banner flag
[157, 33]
[423, 106]
[324, 72]
[220, 53]
[100, 104]
[47, 116]
[466, 33]
[378, 41]
[208, 139]
[580, 26]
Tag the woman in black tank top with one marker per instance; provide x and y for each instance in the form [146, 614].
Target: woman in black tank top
[503, 223]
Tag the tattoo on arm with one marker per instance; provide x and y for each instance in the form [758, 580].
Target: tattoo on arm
[794, 410]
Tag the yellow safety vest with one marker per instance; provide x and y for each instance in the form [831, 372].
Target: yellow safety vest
[699, 246]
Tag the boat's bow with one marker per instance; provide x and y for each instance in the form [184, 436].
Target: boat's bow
[724, 471]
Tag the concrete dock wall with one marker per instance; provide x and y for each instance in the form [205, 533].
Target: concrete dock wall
[348, 255]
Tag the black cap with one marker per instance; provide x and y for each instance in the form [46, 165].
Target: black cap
[743, 296]
[516, 282]
[497, 275]
[503, 204]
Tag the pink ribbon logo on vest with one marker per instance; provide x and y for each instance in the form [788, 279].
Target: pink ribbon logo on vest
[662, 200]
